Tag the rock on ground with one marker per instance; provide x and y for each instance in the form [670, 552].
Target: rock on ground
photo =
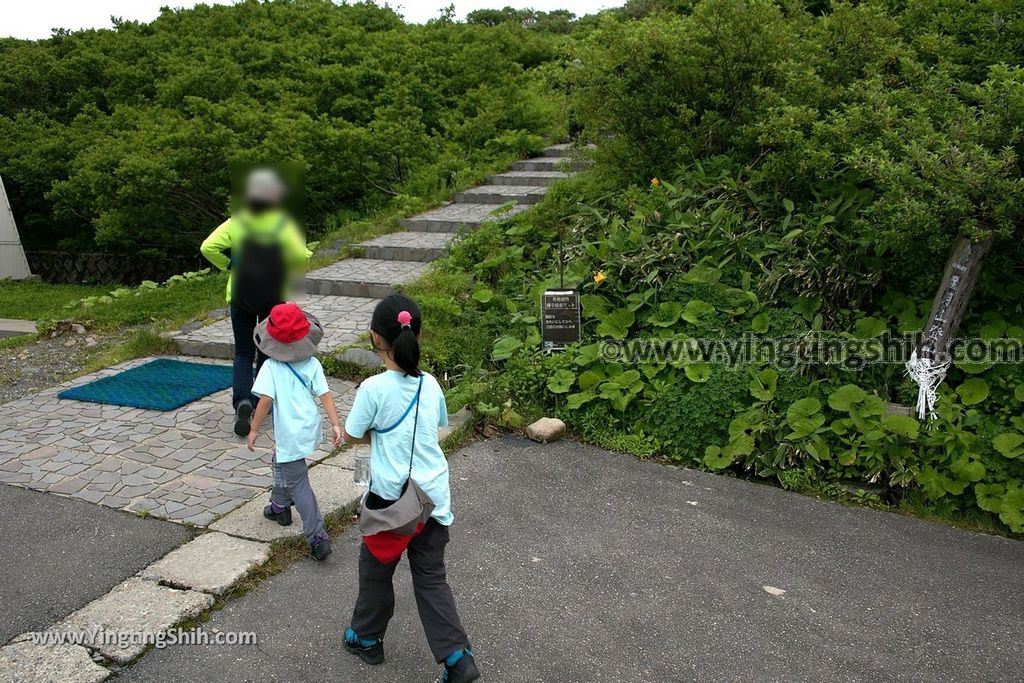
[546, 429]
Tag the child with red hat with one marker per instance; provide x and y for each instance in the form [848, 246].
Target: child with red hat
[290, 381]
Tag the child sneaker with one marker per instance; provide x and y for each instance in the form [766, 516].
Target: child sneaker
[282, 517]
[321, 549]
[370, 650]
[459, 668]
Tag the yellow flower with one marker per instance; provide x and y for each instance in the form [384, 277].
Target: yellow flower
[599, 278]
[655, 182]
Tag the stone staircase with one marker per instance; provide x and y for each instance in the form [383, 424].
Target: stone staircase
[343, 294]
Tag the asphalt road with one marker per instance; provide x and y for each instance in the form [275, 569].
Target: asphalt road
[57, 554]
[570, 563]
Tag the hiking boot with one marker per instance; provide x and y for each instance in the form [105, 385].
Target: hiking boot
[243, 417]
[370, 650]
[462, 671]
[284, 517]
[321, 549]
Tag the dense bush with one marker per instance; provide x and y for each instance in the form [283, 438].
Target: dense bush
[128, 136]
[767, 170]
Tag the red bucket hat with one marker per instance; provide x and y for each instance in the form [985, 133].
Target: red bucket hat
[288, 334]
[287, 323]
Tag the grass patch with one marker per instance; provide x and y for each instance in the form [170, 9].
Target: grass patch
[41, 301]
[15, 342]
[167, 306]
[141, 343]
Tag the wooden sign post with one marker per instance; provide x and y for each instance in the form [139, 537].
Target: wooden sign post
[932, 357]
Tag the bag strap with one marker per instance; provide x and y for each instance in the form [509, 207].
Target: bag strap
[414, 402]
[302, 380]
[415, 423]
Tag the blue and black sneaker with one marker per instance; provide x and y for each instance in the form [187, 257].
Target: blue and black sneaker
[459, 668]
[370, 650]
[276, 513]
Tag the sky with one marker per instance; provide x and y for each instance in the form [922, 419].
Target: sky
[35, 18]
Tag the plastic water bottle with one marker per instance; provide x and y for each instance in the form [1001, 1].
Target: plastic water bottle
[362, 470]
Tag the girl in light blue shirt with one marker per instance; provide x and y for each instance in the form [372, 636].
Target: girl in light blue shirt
[380, 403]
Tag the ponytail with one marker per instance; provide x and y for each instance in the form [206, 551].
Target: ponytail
[397, 320]
[406, 352]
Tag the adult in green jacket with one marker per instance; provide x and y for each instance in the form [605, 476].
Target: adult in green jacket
[262, 249]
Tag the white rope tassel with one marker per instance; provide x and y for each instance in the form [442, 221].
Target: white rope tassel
[929, 375]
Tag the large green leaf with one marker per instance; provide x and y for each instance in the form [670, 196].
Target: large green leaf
[901, 425]
[574, 401]
[593, 305]
[967, 469]
[616, 324]
[866, 328]
[698, 372]
[505, 347]
[1009, 444]
[846, 397]
[697, 310]
[760, 323]
[804, 417]
[667, 314]
[561, 381]
[717, 458]
[763, 384]
[974, 390]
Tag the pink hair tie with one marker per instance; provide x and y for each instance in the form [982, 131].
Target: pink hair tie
[405, 319]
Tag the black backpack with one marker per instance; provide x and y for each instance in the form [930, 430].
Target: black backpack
[258, 278]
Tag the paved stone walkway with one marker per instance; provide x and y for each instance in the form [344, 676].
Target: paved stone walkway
[184, 465]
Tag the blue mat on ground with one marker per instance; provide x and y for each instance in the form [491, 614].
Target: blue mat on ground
[161, 384]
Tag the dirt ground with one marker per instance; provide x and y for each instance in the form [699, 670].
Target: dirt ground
[27, 369]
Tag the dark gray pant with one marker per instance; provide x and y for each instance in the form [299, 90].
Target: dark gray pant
[376, 602]
[291, 487]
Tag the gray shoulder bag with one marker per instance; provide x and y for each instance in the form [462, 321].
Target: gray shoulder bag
[412, 508]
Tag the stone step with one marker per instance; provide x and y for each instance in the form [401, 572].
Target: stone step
[548, 164]
[531, 178]
[344, 319]
[502, 194]
[452, 217]
[566, 149]
[407, 246]
[373, 278]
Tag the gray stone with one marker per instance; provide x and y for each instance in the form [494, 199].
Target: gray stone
[335, 491]
[137, 607]
[24, 662]
[546, 429]
[501, 194]
[360, 356]
[211, 563]
[455, 422]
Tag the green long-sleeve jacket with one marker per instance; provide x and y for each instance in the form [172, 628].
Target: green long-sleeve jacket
[228, 236]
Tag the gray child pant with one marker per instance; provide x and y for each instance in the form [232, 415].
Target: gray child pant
[291, 487]
[376, 602]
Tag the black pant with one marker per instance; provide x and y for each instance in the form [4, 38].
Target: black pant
[242, 325]
[376, 602]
